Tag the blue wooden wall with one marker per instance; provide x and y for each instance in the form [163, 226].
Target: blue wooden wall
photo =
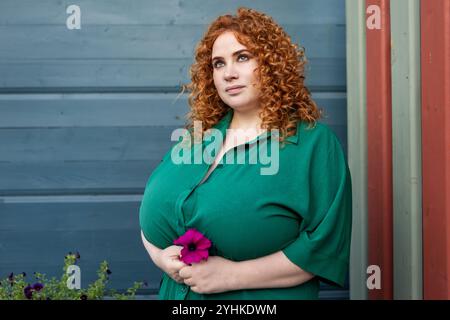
[86, 115]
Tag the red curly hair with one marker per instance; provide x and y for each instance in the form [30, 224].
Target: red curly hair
[284, 97]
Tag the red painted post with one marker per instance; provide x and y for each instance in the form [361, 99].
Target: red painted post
[435, 60]
[379, 147]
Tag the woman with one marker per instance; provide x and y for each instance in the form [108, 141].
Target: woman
[274, 235]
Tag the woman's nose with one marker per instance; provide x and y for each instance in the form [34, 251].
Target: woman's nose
[230, 72]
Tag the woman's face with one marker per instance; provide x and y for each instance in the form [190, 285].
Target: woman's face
[234, 73]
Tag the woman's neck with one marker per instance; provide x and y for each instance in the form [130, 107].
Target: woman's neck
[244, 127]
[246, 120]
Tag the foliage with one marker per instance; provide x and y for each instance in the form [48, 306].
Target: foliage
[15, 287]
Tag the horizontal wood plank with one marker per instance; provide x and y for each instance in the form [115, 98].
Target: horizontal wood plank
[171, 12]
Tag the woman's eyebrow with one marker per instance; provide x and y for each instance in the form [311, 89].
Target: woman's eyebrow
[234, 54]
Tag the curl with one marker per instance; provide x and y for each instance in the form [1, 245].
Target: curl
[285, 98]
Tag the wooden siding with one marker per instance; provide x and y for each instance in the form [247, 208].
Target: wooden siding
[86, 115]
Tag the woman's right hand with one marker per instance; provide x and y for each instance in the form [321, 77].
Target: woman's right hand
[168, 260]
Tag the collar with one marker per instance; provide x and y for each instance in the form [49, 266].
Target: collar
[224, 124]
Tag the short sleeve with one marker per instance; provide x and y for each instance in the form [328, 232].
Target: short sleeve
[323, 244]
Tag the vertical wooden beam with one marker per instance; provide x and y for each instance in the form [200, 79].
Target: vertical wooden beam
[435, 33]
[406, 148]
[357, 142]
[379, 151]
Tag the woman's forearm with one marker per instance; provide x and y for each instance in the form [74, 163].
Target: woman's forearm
[152, 250]
[272, 271]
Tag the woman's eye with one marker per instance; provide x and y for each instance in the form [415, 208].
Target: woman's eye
[245, 57]
[241, 57]
[217, 64]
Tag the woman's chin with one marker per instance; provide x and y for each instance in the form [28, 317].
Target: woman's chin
[239, 105]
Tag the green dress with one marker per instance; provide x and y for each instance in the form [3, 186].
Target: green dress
[304, 210]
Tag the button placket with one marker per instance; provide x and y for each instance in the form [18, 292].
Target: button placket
[181, 221]
[181, 225]
[180, 217]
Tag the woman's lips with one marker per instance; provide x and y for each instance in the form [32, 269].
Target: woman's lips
[235, 90]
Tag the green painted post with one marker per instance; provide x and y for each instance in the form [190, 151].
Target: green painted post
[406, 145]
[357, 142]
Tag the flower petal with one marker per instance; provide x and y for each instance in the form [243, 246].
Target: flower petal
[28, 292]
[198, 236]
[38, 286]
[191, 257]
[203, 254]
[186, 238]
[184, 252]
[194, 239]
[203, 244]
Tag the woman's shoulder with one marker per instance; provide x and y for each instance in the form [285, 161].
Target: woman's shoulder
[320, 144]
[317, 132]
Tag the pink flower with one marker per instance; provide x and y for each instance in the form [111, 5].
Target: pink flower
[195, 246]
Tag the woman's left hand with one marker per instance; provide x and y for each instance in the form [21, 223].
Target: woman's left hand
[215, 275]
